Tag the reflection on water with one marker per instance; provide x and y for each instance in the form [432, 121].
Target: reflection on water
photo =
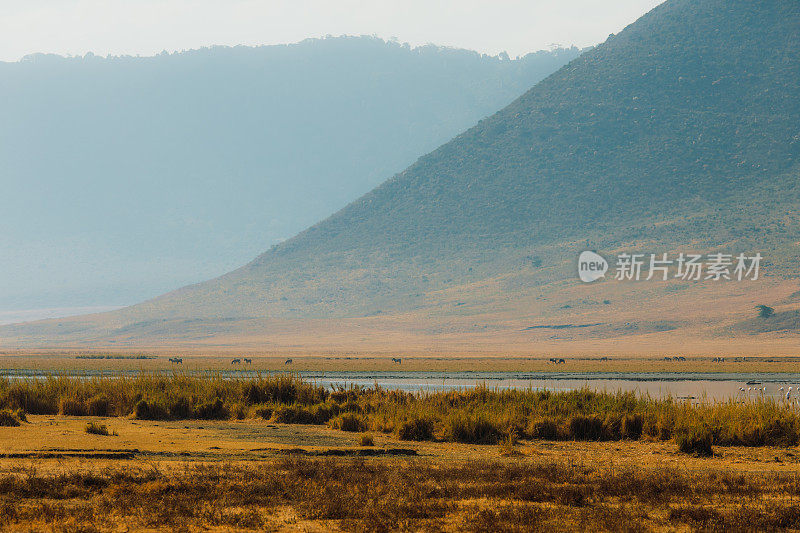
[694, 385]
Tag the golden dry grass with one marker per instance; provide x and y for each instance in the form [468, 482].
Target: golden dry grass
[256, 475]
[359, 495]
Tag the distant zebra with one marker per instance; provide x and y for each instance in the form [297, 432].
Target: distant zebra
[248, 361]
[176, 360]
[397, 360]
[288, 362]
[236, 361]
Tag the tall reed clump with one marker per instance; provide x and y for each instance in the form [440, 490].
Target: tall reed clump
[154, 396]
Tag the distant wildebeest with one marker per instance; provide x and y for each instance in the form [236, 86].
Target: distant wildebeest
[560, 361]
[288, 362]
[248, 361]
[397, 360]
[557, 361]
[236, 361]
[176, 360]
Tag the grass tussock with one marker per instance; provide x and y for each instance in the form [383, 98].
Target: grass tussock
[478, 415]
[8, 419]
[361, 495]
[697, 441]
[473, 429]
[96, 428]
[416, 429]
[349, 422]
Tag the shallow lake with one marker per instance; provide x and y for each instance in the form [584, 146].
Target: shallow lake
[678, 385]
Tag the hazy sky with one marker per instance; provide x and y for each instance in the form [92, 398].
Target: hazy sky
[146, 27]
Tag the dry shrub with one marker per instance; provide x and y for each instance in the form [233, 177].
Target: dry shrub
[473, 430]
[508, 448]
[349, 422]
[544, 429]
[213, 410]
[366, 440]
[632, 426]
[150, 411]
[95, 428]
[73, 407]
[416, 429]
[98, 406]
[299, 414]
[586, 428]
[7, 419]
[262, 411]
[695, 440]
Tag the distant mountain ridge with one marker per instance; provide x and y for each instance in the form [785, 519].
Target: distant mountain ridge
[124, 177]
[681, 132]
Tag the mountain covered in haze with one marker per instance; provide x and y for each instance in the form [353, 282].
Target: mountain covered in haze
[681, 132]
[124, 177]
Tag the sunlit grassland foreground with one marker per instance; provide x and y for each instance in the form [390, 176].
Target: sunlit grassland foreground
[358, 495]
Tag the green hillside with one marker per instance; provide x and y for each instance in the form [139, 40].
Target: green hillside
[684, 129]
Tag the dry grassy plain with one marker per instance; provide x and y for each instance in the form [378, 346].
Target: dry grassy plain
[80, 361]
[257, 475]
[566, 318]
